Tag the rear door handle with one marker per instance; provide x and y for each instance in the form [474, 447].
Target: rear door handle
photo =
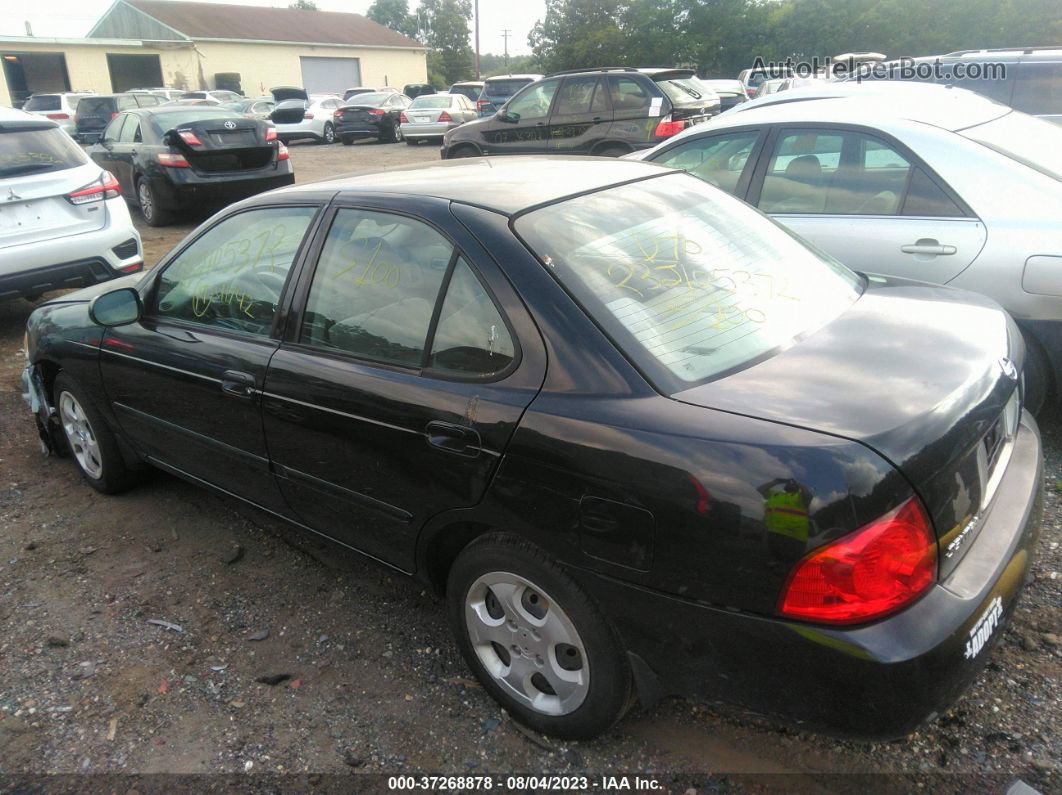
[928, 246]
[238, 385]
[456, 439]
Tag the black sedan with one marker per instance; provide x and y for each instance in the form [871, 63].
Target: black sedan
[644, 440]
[176, 158]
[371, 116]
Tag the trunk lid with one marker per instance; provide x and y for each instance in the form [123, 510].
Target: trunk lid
[225, 145]
[353, 113]
[289, 111]
[283, 93]
[935, 394]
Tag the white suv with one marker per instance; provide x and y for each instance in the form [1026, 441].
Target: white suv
[63, 222]
[59, 108]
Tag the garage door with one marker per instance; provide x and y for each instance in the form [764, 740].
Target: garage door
[134, 71]
[330, 75]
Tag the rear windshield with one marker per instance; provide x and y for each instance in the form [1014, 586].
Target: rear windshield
[372, 100]
[43, 102]
[167, 121]
[432, 101]
[689, 282]
[37, 152]
[96, 106]
[725, 86]
[504, 88]
[1031, 141]
[685, 90]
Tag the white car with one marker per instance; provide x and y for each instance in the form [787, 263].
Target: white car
[60, 107]
[301, 115]
[938, 185]
[63, 221]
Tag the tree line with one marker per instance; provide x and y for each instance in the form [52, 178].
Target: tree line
[721, 37]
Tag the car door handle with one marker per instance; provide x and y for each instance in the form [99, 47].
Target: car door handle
[928, 246]
[238, 385]
[456, 439]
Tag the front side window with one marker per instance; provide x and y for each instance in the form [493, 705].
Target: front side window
[534, 102]
[375, 287]
[719, 159]
[831, 172]
[232, 276]
[688, 282]
[130, 132]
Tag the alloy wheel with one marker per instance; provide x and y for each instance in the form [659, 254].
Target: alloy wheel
[527, 643]
[147, 201]
[329, 134]
[399, 136]
[80, 436]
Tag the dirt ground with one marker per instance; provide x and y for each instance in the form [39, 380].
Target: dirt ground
[371, 683]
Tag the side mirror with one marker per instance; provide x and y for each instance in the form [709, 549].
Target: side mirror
[116, 308]
[508, 116]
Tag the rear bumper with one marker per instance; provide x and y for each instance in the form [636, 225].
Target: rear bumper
[428, 130]
[307, 128]
[193, 190]
[74, 261]
[877, 681]
[359, 130]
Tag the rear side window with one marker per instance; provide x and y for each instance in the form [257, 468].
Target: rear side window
[926, 198]
[43, 102]
[231, 277]
[628, 95]
[147, 100]
[998, 85]
[581, 95]
[1038, 89]
[503, 88]
[718, 159]
[126, 103]
[471, 337]
[376, 287]
[37, 152]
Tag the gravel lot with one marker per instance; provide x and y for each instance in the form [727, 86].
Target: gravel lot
[88, 685]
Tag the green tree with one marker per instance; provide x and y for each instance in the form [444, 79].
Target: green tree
[443, 26]
[304, 5]
[580, 33]
[393, 14]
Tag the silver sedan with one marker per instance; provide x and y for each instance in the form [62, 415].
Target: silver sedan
[941, 185]
[432, 115]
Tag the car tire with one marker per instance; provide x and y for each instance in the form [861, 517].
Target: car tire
[412, 141]
[347, 141]
[1039, 385]
[148, 204]
[464, 151]
[89, 441]
[329, 134]
[397, 135]
[611, 151]
[535, 640]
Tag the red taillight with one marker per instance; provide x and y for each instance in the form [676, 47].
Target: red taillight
[282, 152]
[271, 134]
[376, 112]
[402, 118]
[307, 115]
[106, 187]
[59, 116]
[482, 104]
[666, 128]
[189, 138]
[136, 267]
[338, 113]
[445, 116]
[114, 115]
[171, 160]
[867, 574]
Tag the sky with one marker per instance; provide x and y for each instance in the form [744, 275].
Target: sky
[74, 18]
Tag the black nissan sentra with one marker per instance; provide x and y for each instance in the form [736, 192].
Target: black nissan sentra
[178, 158]
[643, 439]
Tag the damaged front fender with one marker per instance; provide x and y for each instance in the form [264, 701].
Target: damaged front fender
[44, 414]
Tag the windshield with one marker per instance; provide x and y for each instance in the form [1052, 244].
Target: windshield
[374, 100]
[43, 102]
[431, 101]
[684, 90]
[503, 88]
[37, 152]
[689, 282]
[1031, 141]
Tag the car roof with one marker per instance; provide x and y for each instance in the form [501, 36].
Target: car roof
[468, 83]
[13, 115]
[512, 77]
[946, 107]
[503, 184]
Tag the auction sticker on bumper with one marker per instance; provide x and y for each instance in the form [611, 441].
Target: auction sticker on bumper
[984, 628]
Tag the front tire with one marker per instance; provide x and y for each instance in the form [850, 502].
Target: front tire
[464, 151]
[91, 443]
[1039, 385]
[397, 136]
[148, 203]
[329, 134]
[347, 141]
[535, 640]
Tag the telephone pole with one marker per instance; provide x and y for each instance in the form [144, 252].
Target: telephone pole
[506, 32]
[477, 39]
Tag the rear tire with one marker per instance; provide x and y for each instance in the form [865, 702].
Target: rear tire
[329, 134]
[535, 640]
[347, 141]
[148, 203]
[90, 442]
[611, 151]
[412, 141]
[396, 134]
